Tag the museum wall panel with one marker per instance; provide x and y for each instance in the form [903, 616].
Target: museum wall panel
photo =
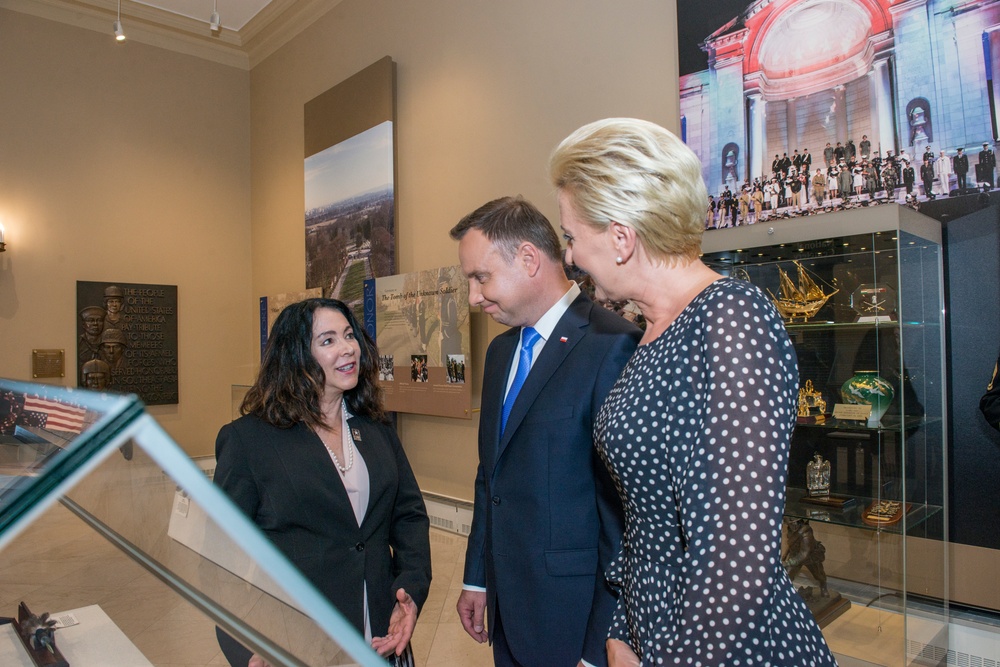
[484, 92]
[125, 162]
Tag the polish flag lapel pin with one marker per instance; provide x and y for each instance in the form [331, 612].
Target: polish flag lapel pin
[563, 339]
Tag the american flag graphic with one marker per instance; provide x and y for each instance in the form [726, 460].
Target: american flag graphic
[44, 413]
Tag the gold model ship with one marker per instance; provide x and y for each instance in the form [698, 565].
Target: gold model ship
[802, 299]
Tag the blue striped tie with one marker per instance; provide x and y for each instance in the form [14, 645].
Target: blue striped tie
[528, 338]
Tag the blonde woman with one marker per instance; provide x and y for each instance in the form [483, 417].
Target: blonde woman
[696, 430]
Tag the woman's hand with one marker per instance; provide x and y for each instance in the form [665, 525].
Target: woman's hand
[401, 624]
[620, 654]
[257, 661]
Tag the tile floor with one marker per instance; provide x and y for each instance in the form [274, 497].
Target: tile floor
[66, 565]
[60, 563]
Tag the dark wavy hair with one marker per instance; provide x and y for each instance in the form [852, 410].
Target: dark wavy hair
[290, 381]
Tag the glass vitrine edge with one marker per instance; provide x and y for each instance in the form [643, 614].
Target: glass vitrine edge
[240, 529]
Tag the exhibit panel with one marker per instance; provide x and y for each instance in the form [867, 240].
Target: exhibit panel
[165, 549]
[861, 293]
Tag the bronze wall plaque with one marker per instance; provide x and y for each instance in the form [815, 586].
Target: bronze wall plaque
[127, 339]
[48, 363]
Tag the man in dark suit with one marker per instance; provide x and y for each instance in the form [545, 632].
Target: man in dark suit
[961, 165]
[546, 520]
[786, 163]
[987, 161]
[927, 176]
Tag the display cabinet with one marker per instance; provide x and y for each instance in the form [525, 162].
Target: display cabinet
[106, 524]
[861, 292]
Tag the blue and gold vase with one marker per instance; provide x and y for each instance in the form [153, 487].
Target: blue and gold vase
[867, 388]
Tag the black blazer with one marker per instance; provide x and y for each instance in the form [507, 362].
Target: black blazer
[286, 482]
[547, 519]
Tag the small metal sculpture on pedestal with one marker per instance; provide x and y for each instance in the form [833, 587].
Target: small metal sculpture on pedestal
[37, 634]
[803, 550]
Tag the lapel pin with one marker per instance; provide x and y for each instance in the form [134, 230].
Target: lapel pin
[563, 339]
[356, 434]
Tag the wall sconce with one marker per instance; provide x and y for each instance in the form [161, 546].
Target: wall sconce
[3, 246]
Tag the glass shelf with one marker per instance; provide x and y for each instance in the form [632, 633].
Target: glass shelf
[849, 427]
[829, 325]
[851, 515]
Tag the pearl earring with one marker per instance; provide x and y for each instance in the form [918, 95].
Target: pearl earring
[619, 260]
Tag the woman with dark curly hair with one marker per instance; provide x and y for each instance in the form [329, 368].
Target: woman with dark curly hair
[313, 463]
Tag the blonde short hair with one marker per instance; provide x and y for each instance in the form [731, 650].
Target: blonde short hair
[640, 175]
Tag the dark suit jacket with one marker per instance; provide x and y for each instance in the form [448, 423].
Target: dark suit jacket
[547, 520]
[286, 482]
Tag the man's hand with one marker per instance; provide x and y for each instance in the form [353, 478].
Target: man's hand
[471, 610]
[620, 654]
[401, 623]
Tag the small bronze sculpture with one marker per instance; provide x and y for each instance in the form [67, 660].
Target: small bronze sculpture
[805, 551]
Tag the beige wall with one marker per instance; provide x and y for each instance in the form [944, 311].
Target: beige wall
[485, 91]
[125, 162]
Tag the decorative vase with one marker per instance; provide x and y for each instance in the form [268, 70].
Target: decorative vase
[867, 388]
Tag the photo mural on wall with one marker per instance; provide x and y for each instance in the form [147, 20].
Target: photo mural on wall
[350, 209]
[776, 77]
[127, 339]
[421, 323]
[350, 205]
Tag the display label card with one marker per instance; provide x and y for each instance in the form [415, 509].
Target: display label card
[65, 620]
[851, 411]
[182, 504]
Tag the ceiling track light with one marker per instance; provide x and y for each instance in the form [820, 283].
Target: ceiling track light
[117, 25]
[214, 22]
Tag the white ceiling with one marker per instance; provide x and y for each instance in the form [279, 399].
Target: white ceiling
[251, 29]
[234, 13]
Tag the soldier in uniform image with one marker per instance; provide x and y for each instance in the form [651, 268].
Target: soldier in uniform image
[987, 161]
[96, 374]
[961, 165]
[113, 344]
[89, 344]
[114, 298]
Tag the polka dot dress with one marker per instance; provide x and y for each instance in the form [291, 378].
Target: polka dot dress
[696, 435]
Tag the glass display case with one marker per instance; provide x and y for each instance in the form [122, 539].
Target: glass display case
[861, 292]
[109, 527]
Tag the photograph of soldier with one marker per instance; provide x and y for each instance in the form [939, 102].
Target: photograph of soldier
[909, 177]
[451, 334]
[927, 177]
[418, 368]
[456, 368]
[386, 373]
[961, 165]
[819, 187]
[423, 333]
[984, 169]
